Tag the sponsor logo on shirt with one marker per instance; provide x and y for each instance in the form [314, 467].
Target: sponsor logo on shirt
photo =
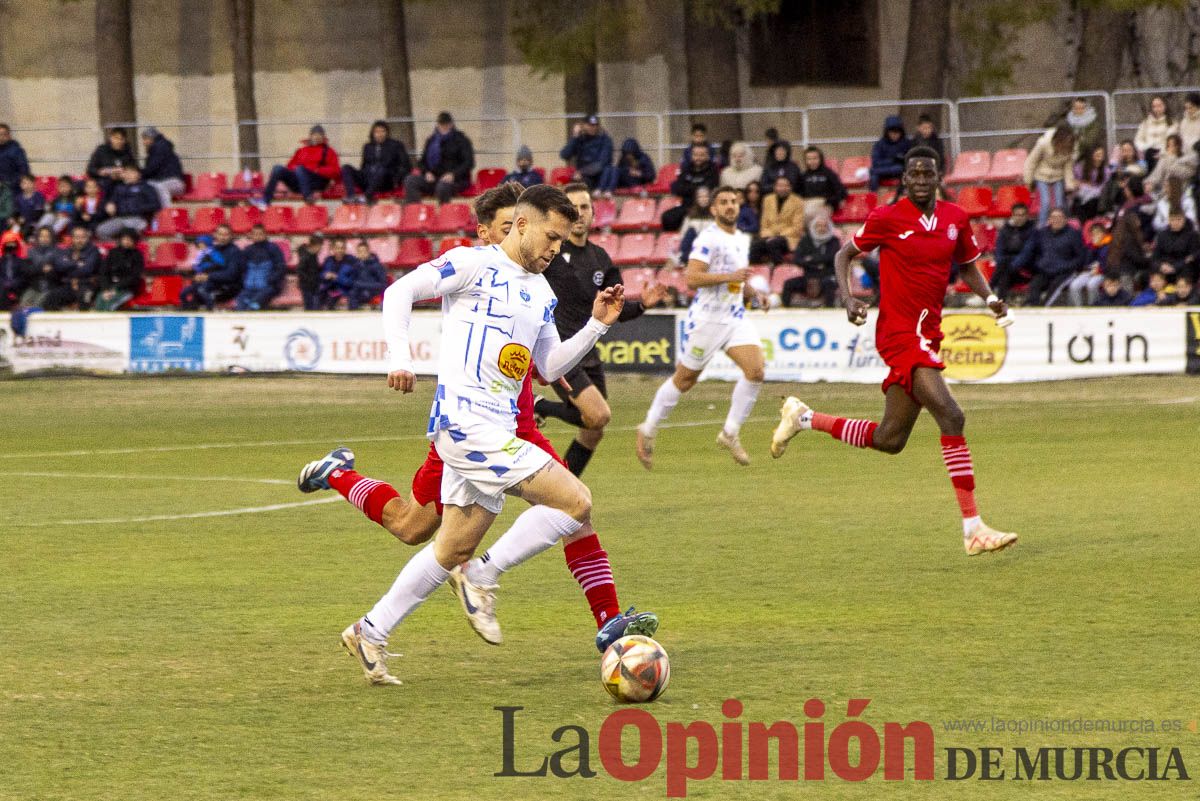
[906, 234]
[514, 360]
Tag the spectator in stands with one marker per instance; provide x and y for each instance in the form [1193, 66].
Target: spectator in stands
[1084, 287]
[1084, 124]
[79, 265]
[308, 271]
[633, 168]
[1164, 167]
[700, 171]
[121, 273]
[781, 225]
[62, 208]
[525, 174]
[780, 164]
[385, 164]
[309, 171]
[1126, 159]
[699, 136]
[1177, 247]
[162, 170]
[1153, 131]
[445, 164]
[218, 272]
[8, 208]
[1112, 292]
[131, 204]
[13, 162]
[1048, 170]
[819, 187]
[263, 268]
[742, 168]
[698, 217]
[89, 207]
[815, 253]
[1091, 174]
[362, 279]
[1054, 254]
[927, 136]
[589, 151]
[14, 275]
[44, 274]
[751, 209]
[1145, 293]
[1186, 291]
[109, 160]
[1189, 123]
[1127, 252]
[887, 154]
[771, 137]
[1164, 289]
[1010, 241]
[337, 263]
[30, 204]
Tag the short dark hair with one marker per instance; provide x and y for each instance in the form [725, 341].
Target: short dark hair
[703, 145]
[771, 133]
[1193, 98]
[498, 197]
[381, 124]
[575, 186]
[4, 125]
[1024, 206]
[922, 152]
[723, 188]
[924, 118]
[699, 126]
[127, 232]
[258, 225]
[546, 199]
[444, 118]
[224, 225]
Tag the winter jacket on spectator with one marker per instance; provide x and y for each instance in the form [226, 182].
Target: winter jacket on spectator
[161, 161]
[89, 212]
[1180, 248]
[320, 160]
[14, 278]
[7, 207]
[1122, 298]
[1086, 127]
[343, 270]
[815, 253]
[747, 219]
[454, 154]
[787, 168]
[714, 155]
[263, 267]
[525, 178]
[632, 158]
[589, 154]
[30, 208]
[1045, 165]
[135, 200]
[105, 155]
[223, 266]
[122, 270]
[1189, 130]
[13, 163]
[1152, 133]
[40, 257]
[1053, 253]
[389, 157]
[782, 218]
[769, 161]
[685, 184]
[308, 271]
[366, 277]
[742, 168]
[80, 265]
[887, 157]
[823, 183]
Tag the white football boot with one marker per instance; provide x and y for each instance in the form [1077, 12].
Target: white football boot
[371, 657]
[478, 604]
[790, 424]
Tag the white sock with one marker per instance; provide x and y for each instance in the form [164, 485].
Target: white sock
[805, 420]
[538, 528]
[969, 524]
[664, 401]
[416, 582]
[745, 393]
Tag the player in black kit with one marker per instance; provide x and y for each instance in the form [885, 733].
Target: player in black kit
[578, 272]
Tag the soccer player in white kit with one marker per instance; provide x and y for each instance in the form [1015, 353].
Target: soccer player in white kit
[717, 269]
[497, 321]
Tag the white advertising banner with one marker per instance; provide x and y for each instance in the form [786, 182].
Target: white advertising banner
[97, 342]
[1040, 345]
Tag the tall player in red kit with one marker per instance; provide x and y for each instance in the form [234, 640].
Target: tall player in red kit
[919, 238]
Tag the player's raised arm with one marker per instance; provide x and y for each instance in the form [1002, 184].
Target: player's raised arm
[856, 308]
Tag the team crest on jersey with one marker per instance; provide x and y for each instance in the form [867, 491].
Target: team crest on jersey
[514, 360]
[952, 232]
[444, 267]
[598, 278]
[525, 296]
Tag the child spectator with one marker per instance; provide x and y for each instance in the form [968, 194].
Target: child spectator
[1083, 288]
[121, 273]
[337, 263]
[362, 281]
[927, 136]
[1091, 173]
[1185, 290]
[131, 204]
[524, 174]
[1189, 123]
[308, 271]
[30, 204]
[887, 154]
[62, 208]
[1146, 288]
[263, 268]
[1112, 292]
[1168, 157]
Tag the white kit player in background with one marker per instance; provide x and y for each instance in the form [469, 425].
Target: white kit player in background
[498, 320]
[717, 269]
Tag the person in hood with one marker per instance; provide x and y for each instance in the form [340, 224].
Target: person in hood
[1085, 124]
[524, 174]
[779, 164]
[109, 159]
[263, 268]
[818, 186]
[633, 168]
[445, 165]
[309, 171]
[385, 162]
[887, 154]
[13, 161]
[589, 151]
[815, 254]
[121, 273]
[742, 168]
[162, 170]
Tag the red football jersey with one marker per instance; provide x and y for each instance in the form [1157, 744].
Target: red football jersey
[915, 257]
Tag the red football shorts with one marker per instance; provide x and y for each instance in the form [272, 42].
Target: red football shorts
[904, 355]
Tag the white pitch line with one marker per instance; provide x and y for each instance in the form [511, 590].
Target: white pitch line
[247, 510]
[241, 479]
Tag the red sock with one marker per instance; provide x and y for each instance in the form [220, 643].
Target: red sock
[859, 433]
[957, 457]
[369, 495]
[588, 563]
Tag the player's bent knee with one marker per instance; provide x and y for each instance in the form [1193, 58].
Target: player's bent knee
[756, 374]
[952, 420]
[889, 443]
[596, 419]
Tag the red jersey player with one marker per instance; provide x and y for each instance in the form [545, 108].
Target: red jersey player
[919, 239]
[415, 520]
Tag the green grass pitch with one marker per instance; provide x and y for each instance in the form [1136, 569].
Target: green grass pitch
[198, 657]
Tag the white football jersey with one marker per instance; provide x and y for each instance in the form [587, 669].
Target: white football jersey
[723, 253]
[493, 314]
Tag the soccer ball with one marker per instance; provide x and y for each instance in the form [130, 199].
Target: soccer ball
[635, 669]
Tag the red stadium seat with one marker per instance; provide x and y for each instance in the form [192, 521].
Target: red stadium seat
[206, 220]
[783, 273]
[451, 242]
[163, 291]
[975, 200]
[279, 220]
[637, 214]
[290, 297]
[310, 219]
[453, 217]
[243, 186]
[668, 202]
[666, 247]
[607, 242]
[662, 181]
[637, 279]
[985, 235]
[675, 278]
[169, 222]
[417, 218]
[1008, 165]
[243, 218]
[206, 186]
[488, 178]
[831, 163]
[387, 249]
[48, 186]
[634, 249]
[383, 218]
[986, 266]
[856, 208]
[414, 252]
[855, 171]
[560, 176]
[348, 218]
[605, 212]
[1006, 196]
[971, 166]
[168, 256]
[335, 191]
